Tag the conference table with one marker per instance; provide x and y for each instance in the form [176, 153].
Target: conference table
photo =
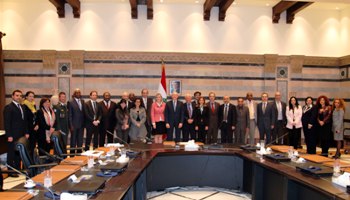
[158, 167]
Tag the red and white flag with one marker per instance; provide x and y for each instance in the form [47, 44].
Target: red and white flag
[162, 84]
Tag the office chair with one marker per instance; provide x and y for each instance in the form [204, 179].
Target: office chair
[31, 160]
[59, 148]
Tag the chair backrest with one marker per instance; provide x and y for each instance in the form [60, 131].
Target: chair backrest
[22, 145]
[58, 144]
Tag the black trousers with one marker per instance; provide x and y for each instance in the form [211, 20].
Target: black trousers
[170, 132]
[13, 157]
[278, 132]
[103, 134]
[325, 135]
[310, 139]
[294, 135]
[91, 131]
[76, 139]
[32, 140]
[226, 133]
[187, 131]
[42, 144]
[202, 134]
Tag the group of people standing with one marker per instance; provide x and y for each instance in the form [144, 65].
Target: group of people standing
[137, 118]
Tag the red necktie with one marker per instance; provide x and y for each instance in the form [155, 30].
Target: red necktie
[212, 107]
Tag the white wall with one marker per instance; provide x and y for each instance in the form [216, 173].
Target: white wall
[175, 28]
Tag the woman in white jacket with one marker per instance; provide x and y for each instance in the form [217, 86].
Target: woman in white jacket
[294, 113]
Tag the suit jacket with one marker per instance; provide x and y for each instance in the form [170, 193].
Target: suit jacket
[148, 108]
[76, 116]
[62, 117]
[90, 116]
[213, 116]
[284, 118]
[309, 116]
[243, 118]
[186, 112]
[266, 119]
[43, 126]
[174, 116]
[201, 118]
[231, 114]
[296, 115]
[108, 118]
[254, 107]
[15, 126]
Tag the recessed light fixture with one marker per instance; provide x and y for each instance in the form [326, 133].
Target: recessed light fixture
[196, 1]
[337, 8]
[267, 4]
[161, 1]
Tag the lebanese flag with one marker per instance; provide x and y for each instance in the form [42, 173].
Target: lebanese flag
[162, 84]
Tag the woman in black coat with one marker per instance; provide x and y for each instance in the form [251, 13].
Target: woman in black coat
[201, 120]
[46, 121]
[309, 122]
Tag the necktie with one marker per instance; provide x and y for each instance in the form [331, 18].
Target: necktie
[79, 104]
[225, 113]
[94, 106]
[212, 107]
[264, 107]
[145, 103]
[174, 104]
[189, 110]
[20, 108]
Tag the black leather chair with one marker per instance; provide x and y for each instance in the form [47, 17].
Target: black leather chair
[30, 160]
[60, 149]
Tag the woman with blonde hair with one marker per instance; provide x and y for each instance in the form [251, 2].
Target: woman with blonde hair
[338, 123]
[157, 115]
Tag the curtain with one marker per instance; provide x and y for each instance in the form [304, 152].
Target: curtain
[2, 85]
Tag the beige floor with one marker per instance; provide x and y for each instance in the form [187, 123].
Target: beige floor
[195, 193]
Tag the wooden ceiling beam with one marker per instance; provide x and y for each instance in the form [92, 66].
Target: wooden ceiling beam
[133, 5]
[292, 11]
[59, 4]
[149, 9]
[279, 8]
[207, 6]
[223, 8]
[75, 4]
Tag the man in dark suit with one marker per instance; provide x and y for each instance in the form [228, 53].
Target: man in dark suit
[62, 116]
[129, 103]
[265, 118]
[108, 119]
[92, 120]
[147, 104]
[243, 122]
[76, 119]
[213, 119]
[15, 122]
[174, 117]
[227, 120]
[279, 108]
[188, 128]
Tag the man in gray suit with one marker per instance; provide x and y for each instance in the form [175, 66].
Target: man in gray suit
[265, 118]
[213, 119]
[243, 121]
[279, 108]
[76, 120]
[251, 104]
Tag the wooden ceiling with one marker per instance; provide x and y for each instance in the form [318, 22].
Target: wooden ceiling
[291, 7]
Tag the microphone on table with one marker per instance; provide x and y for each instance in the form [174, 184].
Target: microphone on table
[277, 139]
[124, 142]
[63, 133]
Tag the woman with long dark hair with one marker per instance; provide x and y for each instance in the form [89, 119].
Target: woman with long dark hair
[324, 123]
[47, 122]
[30, 109]
[293, 114]
[338, 123]
[201, 120]
[309, 122]
[123, 121]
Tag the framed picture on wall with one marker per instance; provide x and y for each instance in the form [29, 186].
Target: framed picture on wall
[175, 86]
